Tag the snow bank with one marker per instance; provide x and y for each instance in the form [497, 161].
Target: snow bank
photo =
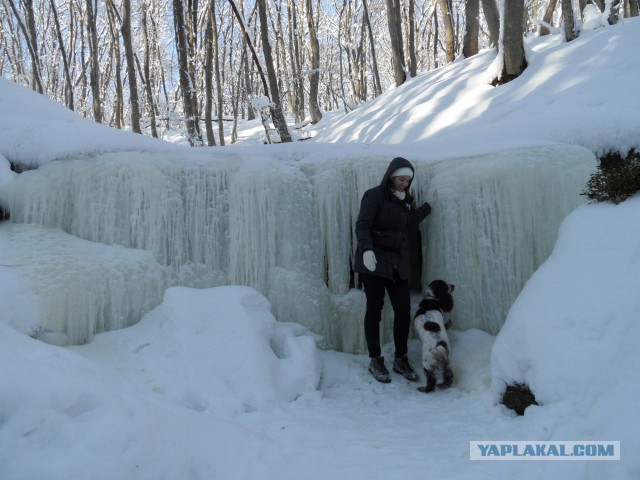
[567, 91]
[148, 402]
[572, 333]
[39, 130]
[217, 350]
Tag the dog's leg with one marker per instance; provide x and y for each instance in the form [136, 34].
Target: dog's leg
[448, 378]
[431, 382]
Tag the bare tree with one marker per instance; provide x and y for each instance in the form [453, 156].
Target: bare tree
[512, 51]
[249, 44]
[614, 12]
[447, 19]
[94, 61]
[114, 51]
[131, 70]
[295, 39]
[216, 57]
[314, 76]
[472, 30]
[569, 20]
[276, 106]
[148, 87]
[435, 38]
[394, 21]
[490, 12]
[377, 86]
[208, 74]
[187, 83]
[411, 21]
[548, 15]
[68, 85]
[29, 33]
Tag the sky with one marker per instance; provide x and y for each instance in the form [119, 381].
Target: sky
[210, 385]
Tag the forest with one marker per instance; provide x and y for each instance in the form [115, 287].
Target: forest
[152, 66]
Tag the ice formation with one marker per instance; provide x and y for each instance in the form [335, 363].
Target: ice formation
[80, 287]
[285, 226]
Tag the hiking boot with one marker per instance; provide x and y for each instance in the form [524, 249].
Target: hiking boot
[378, 370]
[402, 366]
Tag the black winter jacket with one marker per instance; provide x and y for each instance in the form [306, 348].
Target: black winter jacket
[383, 224]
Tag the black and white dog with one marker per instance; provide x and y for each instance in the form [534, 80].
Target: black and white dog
[431, 327]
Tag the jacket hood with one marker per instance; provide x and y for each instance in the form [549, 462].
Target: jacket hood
[396, 163]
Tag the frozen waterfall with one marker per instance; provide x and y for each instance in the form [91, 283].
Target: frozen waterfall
[286, 227]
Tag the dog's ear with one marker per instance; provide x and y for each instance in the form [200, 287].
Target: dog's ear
[451, 287]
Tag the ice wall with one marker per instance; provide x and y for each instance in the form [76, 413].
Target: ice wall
[495, 221]
[80, 287]
[286, 226]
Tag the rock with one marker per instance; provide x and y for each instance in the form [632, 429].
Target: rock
[518, 397]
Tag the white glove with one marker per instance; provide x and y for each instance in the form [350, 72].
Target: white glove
[369, 260]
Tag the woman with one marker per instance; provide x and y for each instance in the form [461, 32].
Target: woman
[387, 215]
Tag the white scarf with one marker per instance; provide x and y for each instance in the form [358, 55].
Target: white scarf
[400, 195]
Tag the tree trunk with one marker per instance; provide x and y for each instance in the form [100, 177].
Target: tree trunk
[95, 63]
[394, 21]
[569, 20]
[68, 86]
[216, 58]
[30, 35]
[32, 38]
[472, 14]
[249, 44]
[340, 57]
[147, 73]
[208, 76]
[114, 19]
[276, 107]
[131, 66]
[436, 35]
[187, 85]
[377, 86]
[491, 15]
[613, 12]
[314, 77]
[411, 20]
[448, 30]
[512, 42]
[548, 16]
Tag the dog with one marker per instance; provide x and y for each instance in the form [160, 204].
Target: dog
[431, 327]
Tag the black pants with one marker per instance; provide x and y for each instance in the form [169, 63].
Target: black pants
[374, 288]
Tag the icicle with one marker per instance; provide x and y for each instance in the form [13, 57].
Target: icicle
[82, 287]
[286, 227]
[495, 220]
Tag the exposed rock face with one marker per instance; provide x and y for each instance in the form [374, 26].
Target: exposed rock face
[518, 397]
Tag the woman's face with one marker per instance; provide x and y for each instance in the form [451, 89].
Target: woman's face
[400, 184]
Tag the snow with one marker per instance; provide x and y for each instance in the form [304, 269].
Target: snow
[209, 385]
[566, 91]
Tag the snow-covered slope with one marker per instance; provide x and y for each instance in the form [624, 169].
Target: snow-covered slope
[583, 92]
